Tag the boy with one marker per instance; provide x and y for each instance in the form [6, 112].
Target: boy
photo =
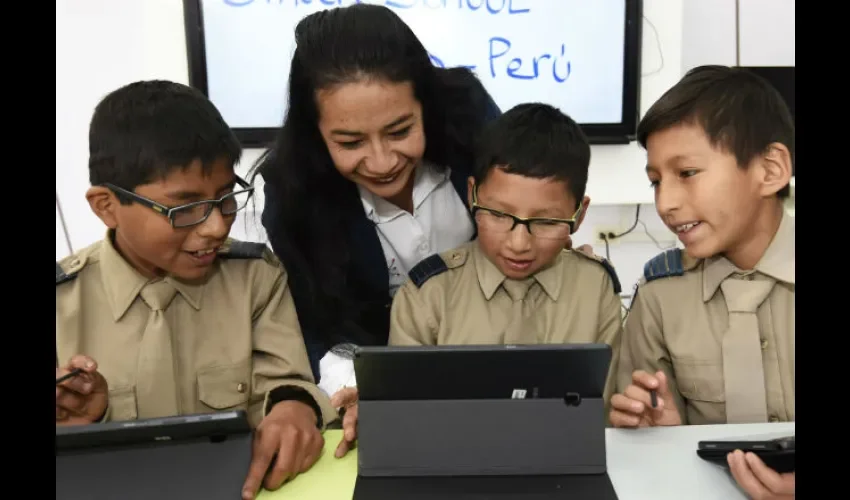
[166, 315]
[711, 328]
[515, 284]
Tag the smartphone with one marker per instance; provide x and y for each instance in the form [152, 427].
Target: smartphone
[777, 444]
[778, 453]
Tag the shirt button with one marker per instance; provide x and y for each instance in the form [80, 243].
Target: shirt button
[241, 387]
[423, 247]
[764, 344]
[773, 419]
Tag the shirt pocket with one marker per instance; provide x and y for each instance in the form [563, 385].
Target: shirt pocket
[122, 404]
[223, 387]
[700, 380]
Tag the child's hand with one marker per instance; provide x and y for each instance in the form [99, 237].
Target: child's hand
[346, 398]
[286, 443]
[81, 399]
[759, 481]
[634, 408]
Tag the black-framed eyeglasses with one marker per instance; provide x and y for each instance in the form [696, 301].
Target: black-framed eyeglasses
[194, 213]
[539, 227]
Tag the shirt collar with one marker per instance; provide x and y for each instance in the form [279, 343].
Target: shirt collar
[489, 276]
[192, 292]
[426, 179]
[123, 282]
[778, 261]
[551, 278]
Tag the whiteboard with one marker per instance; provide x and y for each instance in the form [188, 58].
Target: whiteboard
[569, 53]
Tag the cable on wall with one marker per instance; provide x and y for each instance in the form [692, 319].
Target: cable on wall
[611, 236]
[607, 237]
[64, 226]
[658, 45]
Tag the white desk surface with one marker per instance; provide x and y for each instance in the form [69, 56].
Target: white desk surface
[661, 463]
[643, 464]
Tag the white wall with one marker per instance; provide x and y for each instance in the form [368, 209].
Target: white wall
[767, 34]
[100, 46]
[765, 29]
[708, 33]
[103, 44]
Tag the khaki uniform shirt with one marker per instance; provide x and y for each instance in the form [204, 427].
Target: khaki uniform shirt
[235, 337]
[678, 319]
[575, 300]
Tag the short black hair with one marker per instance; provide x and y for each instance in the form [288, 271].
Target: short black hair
[142, 131]
[535, 140]
[739, 111]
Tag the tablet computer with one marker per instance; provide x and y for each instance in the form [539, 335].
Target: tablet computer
[428, 415]
[481, 371]
[212, 426]
[193, 456]
[778, 453]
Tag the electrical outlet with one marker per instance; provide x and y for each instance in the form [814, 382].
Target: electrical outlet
[602, 232]
[663, 238]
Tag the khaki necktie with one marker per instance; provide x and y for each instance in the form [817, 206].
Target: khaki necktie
[517, 290]
[743, 366]
[156, 387]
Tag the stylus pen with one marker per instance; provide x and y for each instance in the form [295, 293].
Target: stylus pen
[653, 397]
[71, 374]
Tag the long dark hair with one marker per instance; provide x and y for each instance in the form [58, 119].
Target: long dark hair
[333, 47]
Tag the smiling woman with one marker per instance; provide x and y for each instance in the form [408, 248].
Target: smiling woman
[367, 175]
[375, 136]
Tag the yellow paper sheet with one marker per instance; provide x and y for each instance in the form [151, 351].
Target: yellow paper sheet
[330, 477]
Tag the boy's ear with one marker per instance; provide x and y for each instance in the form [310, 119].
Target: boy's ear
[585, 203]
[775, 169]
[104, 204]
[470, 187]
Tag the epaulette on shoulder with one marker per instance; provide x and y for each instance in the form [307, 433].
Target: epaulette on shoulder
[612, 273]
[427, 269]
[62, 276]
[68, 268]
[666, 264]
[242, 250]
[435, 265]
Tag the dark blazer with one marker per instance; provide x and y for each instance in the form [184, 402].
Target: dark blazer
[368, 276]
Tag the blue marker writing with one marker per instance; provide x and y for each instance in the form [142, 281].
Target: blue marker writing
[491, 6]
[518, 69]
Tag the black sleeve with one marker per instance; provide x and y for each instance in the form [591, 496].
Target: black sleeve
[292, 393]
[296, 282]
